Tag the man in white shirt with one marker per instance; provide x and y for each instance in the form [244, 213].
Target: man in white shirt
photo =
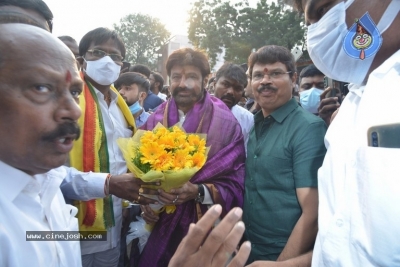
[40, 86]
[230, 82]
[105, 118]
[358, 184]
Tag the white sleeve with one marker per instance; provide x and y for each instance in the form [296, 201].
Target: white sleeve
[207, 197]
[84, 186]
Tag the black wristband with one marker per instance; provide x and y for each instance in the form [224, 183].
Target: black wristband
[200, 196]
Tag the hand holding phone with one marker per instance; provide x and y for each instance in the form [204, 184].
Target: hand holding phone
[328, 105]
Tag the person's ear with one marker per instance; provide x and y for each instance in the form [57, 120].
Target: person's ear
[80, 60]
[142, 96]
[294, 78]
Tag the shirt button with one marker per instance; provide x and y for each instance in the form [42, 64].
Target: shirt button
[339, 223]
[255, 156]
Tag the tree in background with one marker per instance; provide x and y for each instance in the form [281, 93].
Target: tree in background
[218, 24]
[143, 36]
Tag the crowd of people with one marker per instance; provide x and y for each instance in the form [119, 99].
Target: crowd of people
[290, 179]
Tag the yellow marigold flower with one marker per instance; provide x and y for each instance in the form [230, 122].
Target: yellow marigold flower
[166, 142]
[182, 160]
[164, 162]
[197, 142]
[161, 132]
[198, 160]
[148, 137]
[150, 151]
[180, 141]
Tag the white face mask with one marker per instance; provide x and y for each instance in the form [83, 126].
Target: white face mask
[103, 71]
[309, 99]
[347, 54]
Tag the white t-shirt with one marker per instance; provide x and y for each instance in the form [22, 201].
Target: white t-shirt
[162, 96]
[246, 121]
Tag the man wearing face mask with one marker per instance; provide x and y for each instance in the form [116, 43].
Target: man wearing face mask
[105, 118]
[133, 87]
[358, 42]
[311, 87]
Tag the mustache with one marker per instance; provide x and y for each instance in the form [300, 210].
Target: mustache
[266, 87]
[69, 128]
[177, 90]
[228, 97]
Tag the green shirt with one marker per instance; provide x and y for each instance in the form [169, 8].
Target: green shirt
[284, 152]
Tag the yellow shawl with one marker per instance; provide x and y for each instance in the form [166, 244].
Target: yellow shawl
[90, 153]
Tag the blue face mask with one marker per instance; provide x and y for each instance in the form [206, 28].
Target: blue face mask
[135, 108]
[309, 99]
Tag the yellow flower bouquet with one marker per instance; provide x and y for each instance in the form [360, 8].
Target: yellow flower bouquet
[168, 155]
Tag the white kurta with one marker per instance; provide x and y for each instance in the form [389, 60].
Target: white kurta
[35, 203]
[359, 186]
[85, 186]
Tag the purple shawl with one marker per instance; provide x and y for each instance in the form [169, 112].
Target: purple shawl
[224, 169]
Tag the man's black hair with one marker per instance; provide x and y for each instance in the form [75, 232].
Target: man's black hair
[232, 71]
[36, 5]
[159, 79]
[310, 71]
[100, 36]
[129, 78]
[143, 69]
[271, 54]
[66, 38]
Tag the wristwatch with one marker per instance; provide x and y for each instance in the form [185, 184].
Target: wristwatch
[200, 196]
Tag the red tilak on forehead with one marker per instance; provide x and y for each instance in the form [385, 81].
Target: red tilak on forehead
[265, 69]
[68, 77]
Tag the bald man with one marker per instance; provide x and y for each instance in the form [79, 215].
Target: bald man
[40, 86]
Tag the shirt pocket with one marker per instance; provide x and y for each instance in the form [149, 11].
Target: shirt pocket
[375, 216]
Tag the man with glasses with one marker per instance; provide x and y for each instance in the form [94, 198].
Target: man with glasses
[105, 118]
[284, 152]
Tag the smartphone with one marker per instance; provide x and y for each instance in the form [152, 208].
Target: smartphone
[297, 53]
[387, 135]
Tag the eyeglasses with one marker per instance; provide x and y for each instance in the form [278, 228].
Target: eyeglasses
[273, 75]
[96, 53]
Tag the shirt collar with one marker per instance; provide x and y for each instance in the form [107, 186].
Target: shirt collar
[13, 181]
[281, 113]
[100, 95]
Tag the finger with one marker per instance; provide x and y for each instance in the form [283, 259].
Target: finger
[145, 201]
[165, 200]
[198, 232]
[147, 183]
[166, 197]
[228, 247]
[329, 100]
[241, 257]
[220, 233]
[148, 191]
[182, 254]
[329, 108]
